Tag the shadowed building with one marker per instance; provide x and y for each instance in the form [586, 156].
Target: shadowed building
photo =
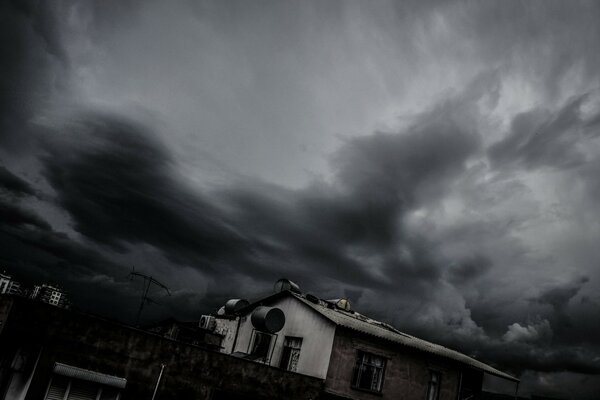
[49, 352]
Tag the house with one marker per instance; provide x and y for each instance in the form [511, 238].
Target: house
[356, 356]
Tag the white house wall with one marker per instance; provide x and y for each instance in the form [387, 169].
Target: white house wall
[316, 332]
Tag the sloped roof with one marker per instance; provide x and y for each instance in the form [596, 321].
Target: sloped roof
[384, 331]
[360, 323]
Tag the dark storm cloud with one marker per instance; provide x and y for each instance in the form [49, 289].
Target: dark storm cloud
[559, 297]
[115, 181]
[118, 185]
[544, 138]
[470, 268]
[33, 250]
[31, 65]
[13, 184]
[445, 223]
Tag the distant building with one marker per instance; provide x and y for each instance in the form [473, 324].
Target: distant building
[49, 294]
[8, 285]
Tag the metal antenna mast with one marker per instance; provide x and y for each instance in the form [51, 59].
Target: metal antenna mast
[148, 280]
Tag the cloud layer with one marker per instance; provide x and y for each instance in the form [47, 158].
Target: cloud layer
[436, 163]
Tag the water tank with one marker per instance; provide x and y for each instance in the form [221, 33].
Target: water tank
[234, 305]
[343, 304]
[268, 319]
[286, 284]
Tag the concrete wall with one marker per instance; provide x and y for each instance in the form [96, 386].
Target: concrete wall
[316, 332]
[100, 345]
[407, 371]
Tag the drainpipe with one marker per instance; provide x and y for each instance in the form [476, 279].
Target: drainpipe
[162, 367]
[237, 330]
[26, 388]
[517, 391]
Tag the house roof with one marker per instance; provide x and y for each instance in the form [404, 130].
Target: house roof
[360, 323]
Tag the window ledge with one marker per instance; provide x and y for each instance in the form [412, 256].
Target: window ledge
[374, 392]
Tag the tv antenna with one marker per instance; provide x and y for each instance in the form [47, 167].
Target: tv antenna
[148, 280]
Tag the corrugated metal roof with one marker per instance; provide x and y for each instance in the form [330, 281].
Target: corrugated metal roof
[87, 375]
[387, 332]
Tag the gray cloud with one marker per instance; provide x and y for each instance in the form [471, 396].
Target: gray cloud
[437, 163]
[541, 138]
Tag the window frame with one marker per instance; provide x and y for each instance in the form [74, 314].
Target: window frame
[267, 358]
[99, 388]
[358, 370]
[297, 350]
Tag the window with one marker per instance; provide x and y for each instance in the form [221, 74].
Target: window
[63, 388]
[368, 372]
[435, 379]
[261, 345]
[290, 353]
[89, 385]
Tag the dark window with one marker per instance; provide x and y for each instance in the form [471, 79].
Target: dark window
[261, 345]
[62, 388]
[290, 353]
[368, 372]
[435, 380]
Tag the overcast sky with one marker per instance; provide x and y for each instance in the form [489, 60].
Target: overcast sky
[436, 163]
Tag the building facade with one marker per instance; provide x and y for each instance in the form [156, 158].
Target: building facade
[356, 356]
[8, 285]
[50, 294]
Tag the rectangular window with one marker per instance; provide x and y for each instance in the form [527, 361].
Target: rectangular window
[368, 372]
[261, 345]
[435, 380]
[62, 388]
[290, 353]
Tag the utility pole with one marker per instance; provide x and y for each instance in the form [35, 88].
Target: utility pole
[148, 280]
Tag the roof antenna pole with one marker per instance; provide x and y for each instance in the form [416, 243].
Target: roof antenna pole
[148, 280]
